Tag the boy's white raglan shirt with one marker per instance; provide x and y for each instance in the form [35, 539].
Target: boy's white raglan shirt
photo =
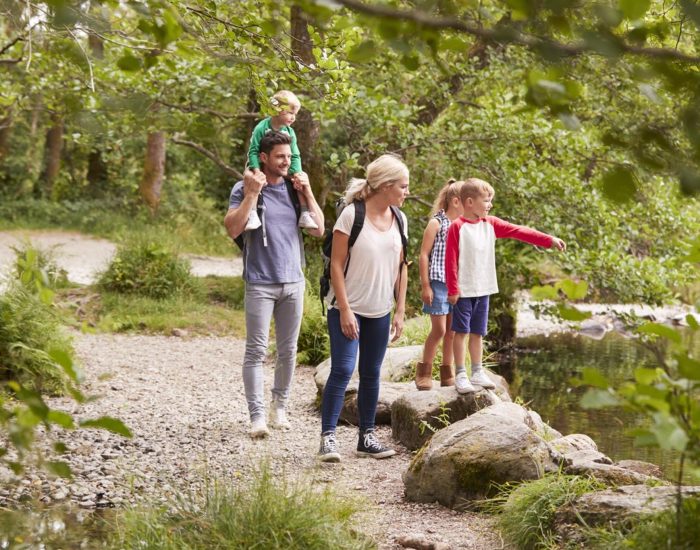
[470, 254]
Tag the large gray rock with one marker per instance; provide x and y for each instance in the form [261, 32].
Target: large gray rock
[620, 504]
[416, 415]
[397, 365]
[461, 462]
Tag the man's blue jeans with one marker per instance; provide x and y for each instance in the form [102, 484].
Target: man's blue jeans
[372, 343]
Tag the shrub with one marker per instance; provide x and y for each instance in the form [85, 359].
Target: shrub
[266, 513]
[149, 269]
[314, 344]
[37, 268]
[228, 291]
[527, 511]
[29, 330]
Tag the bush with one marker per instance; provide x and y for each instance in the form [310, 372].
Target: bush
[527, 511]
[38, 269]
[228, 291]
[267, 513]
[29, 330]
[148, 269]
[314, 344]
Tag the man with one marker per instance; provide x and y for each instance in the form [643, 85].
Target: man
[272, 270]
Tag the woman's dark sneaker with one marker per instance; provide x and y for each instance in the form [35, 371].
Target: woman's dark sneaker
[369, 445]
[329, 448]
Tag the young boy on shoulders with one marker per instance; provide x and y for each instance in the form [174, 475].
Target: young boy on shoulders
[470, 273]
[286, 106]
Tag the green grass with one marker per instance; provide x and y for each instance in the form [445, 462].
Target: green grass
[527, 510]
[268, 513]
[193, 224]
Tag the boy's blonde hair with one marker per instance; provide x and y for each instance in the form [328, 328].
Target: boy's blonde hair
[450, 190]
[283, 99]
[474, 187]
[384, 171]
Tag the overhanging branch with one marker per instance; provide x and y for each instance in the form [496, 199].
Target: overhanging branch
[227, 169]
[508, 35]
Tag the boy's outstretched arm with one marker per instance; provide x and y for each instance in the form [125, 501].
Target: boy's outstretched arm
[295, 165]
[507, 230]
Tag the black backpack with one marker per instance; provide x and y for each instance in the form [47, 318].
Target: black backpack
[261, 211]
[358, 222]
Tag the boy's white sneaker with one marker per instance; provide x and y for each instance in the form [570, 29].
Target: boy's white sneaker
[462, 383]
[253, 221]
[278, 417]
[480, 378]
[258, 428]
[306, 220]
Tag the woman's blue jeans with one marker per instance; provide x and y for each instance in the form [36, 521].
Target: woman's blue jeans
[374, 337]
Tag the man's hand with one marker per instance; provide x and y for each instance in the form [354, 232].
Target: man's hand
[453, 298]
[253, 182]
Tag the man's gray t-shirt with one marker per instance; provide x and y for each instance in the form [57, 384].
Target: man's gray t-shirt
[280, 260]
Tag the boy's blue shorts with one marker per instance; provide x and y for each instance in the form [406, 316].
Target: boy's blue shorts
[471, 315]
[440, 305]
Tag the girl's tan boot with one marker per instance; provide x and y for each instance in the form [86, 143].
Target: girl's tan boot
[424, 376]
[447, 377]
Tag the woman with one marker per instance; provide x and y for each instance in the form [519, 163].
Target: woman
[363, 286]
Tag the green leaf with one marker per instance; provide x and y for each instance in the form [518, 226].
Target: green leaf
[65, 361]
[61, 418]
[598, 399]
[661, 330]
[59, 468]
[573, 290]
[129, 63]
[108, 423]
[410, 62]
[59, 447]
[692, 321]
[363, 52]
[643, 437]
[593, 377]
[688, 367]
[634, 9]
[669, 434]
[547, 292]
[570, 313]
[646, 376]
[619, 184]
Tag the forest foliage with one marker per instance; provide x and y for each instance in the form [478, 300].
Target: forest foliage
[584, 117]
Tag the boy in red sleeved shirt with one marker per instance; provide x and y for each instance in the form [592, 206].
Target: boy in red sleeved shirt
[470, 273]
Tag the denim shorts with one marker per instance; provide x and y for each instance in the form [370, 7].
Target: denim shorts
[440, 305]
[471, 315]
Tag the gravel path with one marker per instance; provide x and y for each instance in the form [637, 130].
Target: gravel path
[183, 399]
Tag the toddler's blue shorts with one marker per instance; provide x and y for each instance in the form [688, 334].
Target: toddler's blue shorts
[440, 305]
[471, 315]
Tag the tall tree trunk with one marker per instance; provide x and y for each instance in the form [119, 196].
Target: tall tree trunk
[5, 131]
[97, 168]
[306, 127]
[52, 157]
[153, 170]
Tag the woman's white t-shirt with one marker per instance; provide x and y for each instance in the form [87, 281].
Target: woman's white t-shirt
[374, 265]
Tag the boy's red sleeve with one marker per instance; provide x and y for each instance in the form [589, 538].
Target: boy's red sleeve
[507, 230]
[452, 258]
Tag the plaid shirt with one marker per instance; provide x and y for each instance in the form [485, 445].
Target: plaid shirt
[436, 270]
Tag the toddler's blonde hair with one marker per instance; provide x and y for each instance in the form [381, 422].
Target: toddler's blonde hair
[384, 171]
[474, 187]
[449, 191]
[283, 99]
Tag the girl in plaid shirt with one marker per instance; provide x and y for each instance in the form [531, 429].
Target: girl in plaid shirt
[447, 207]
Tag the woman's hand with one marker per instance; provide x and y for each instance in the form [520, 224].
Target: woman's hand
[396, 327]
[348, 324]
[427, 295]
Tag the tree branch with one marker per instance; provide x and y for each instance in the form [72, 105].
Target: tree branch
[211, 156]
[507, 34]
[8, 46]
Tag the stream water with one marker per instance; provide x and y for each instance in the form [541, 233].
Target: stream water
[540, 374]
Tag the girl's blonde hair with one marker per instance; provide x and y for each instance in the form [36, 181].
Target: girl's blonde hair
[283, 99]
[382, 172]
[447, 193]
[474, 187]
